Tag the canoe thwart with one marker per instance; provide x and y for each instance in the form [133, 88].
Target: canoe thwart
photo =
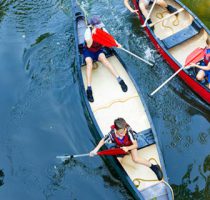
[145, 138]
[182, 35]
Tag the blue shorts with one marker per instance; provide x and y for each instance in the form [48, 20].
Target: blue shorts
[93, 55]
[207, 72]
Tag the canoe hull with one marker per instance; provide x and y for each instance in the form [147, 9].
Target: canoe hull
[112, 162]
[197, 87]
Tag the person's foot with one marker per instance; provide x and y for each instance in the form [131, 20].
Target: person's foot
[171, 9]
[158, 172]
[123, 86]
[90, 95]
[149, 21]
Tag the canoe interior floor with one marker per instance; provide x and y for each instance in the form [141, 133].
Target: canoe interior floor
[140, 171]
[170, 25]
[111, 102]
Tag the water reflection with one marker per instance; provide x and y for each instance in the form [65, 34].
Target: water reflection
[190, 183]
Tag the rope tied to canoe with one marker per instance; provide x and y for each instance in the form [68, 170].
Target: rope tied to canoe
[175, 22]
[137, 181]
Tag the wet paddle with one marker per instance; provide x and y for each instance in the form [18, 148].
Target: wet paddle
[108, 40]
[108, 152]
[193, 57]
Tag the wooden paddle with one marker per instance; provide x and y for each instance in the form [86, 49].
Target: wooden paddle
[108, 152]
[108, 40]
[193, 57]
[150, 12]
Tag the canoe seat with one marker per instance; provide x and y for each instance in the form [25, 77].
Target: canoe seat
[182, 35]
[145, 138]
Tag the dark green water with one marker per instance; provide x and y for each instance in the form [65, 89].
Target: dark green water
[41, 115]
[201, 8]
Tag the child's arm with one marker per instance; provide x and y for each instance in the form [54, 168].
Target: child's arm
[131, 147]
[88, 37]
[129, 7]
[95, 150]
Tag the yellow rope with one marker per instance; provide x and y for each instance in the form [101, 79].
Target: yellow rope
[175, 22]
[137, 181]
[113, 102]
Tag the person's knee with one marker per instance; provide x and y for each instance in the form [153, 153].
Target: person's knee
[199, 77]
[101, 57]
[135, 159]
[104, 60]
[89, 62]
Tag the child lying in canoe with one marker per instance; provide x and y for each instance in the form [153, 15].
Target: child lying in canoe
[93, 51]
[123, 136]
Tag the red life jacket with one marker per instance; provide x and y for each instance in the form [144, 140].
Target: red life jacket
[125, 141]
[95, 46]
[207, 56]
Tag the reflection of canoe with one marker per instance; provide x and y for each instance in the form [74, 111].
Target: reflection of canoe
[176, 37]
[110, 103]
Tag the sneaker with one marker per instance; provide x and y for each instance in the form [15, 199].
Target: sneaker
[149, 21]
[90, 95]
[123, 86]
[156, 169]
[171, 9]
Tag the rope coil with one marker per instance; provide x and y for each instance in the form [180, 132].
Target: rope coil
[137, 181]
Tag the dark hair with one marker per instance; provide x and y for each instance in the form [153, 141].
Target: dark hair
[120, 123]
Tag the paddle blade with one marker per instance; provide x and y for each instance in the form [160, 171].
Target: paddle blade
[64, 158]
[104, 38]
[112, 152]
[195, 56]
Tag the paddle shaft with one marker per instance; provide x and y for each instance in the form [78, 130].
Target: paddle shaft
[166, 81]
[168, 16]
[136, 56]
[148, 16]
[107, 152]
[73, 156]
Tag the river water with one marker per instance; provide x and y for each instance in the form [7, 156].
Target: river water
[42, 115]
